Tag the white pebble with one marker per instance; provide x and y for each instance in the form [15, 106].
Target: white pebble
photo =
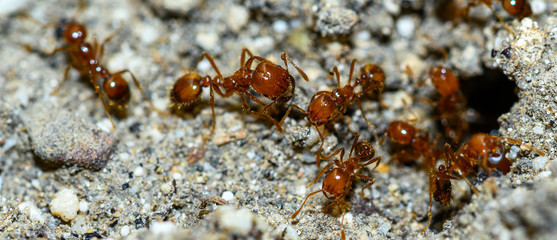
[228, 196]
[301, 190]
[166, 188]
[280, 26]
[8, 7]
[238, 16]
[538, 130]
[539, 162]
[405, 26]
[240, 221]
[125, 231]
[149, 34]
[65, 204]
[162, 228]
[138, 171]
[348, 218]
[207, 40]
[124, 156]
[9, 143]
[83, 206]
[177, 175]
[80, 225]
[32, 211]
[538, 6]
[545, 174]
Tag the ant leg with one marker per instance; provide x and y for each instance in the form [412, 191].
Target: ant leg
[243, 57]
[431, 186]
[285, 56]
[499, 18]
[368, 185]
[265, 114]
[288, 113]
[340, 150]
[321, 174]
[354, 145]
[343, 237]
[66, 72]
[98, 89]
[299, 209]
[336, 74]
[351, 71]
[518, 142]
[318, 155]
[160, 112]
[100, 49]
[365, 118]
[376, 159]
[212, 103]
[212, 62]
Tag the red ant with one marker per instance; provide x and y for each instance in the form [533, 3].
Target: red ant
[85, 57]
[326, 106]
[516, 8]
[338, 181]
[483, 150]
[413, 143]
[268, 79]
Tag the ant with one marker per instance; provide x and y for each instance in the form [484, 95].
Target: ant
[516, 8]
[338, 181]
[483, 150]
[413, 143]
[85, 58]
[326, 106]
[451, 106]
[267, 79]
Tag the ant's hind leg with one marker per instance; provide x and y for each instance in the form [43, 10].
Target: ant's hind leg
[147, 99]
[66, 72]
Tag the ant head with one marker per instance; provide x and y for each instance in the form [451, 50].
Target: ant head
[370, 74]
[401, 132]
[74, 33]
[117, 89]
[444, 81]
[483, 143]
[364, 151]
[517, 8]
[186, 89]
[336, 184]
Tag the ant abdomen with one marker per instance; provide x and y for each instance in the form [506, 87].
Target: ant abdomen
[517, 8]
[117, 89]
[186, 89]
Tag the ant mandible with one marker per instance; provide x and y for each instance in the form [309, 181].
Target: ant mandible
[268, 79]
[338, 181]
[85, 58]
[326, 106]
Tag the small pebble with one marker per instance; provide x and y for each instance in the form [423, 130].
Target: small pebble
[83, 206]
[538, 130]
[333, 20]
[125, 231]
[138, 171]
[166, 188]
[405, 26]
[241, 222]
[280, 26]
[32, 211]
[80, 225]
[59, 137]
[64, 204]
[162, 228]
[539, 162]
[228, 196]
[238, 16]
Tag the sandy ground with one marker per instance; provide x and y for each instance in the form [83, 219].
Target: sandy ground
[66, 173]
